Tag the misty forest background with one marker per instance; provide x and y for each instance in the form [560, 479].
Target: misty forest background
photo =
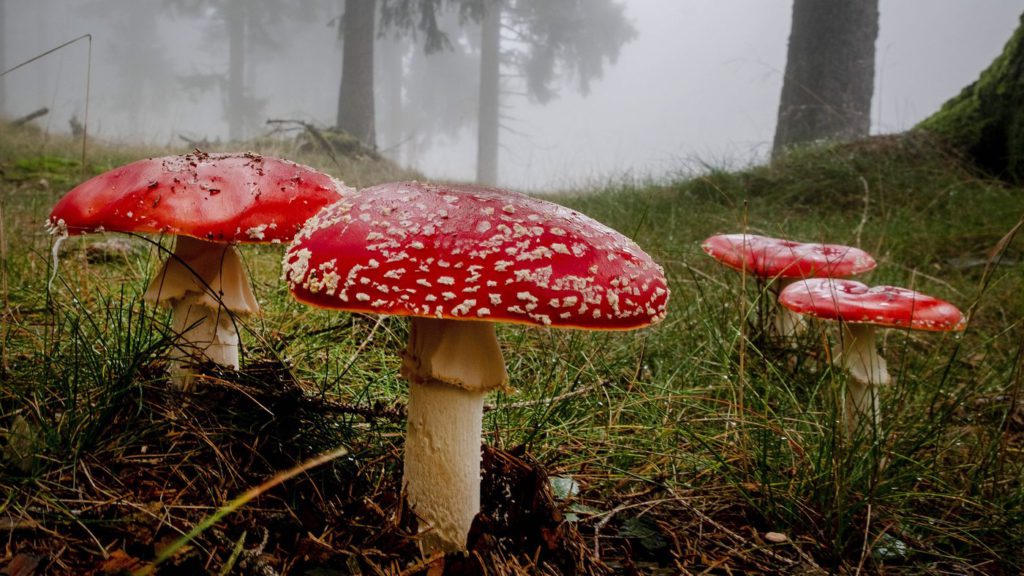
[219, 70]
[409, 69]
[701, 445]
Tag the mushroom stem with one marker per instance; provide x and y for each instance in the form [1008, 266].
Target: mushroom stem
[202, 333]
[785, 323]
[858, 355]
[441, 474]
[204, 283]
[450, 366]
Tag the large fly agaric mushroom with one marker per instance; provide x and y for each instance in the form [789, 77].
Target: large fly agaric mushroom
[210, 202]
[458, 259]
[781, 262]
[859, 310]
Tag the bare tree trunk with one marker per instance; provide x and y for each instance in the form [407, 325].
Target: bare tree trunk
[133, 35]
[390, 53]
[490, 91]
[235, 103]
[355, 99]
[830, 72]
[412, 147]
[3, 60]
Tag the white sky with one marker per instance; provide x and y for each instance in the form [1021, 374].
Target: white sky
[699, 86]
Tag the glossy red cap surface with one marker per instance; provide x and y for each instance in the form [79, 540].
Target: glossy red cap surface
[217, 197]
[767, 257]
[465, 252]
[851, 301]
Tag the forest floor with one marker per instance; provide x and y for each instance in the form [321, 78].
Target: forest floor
[697, 446]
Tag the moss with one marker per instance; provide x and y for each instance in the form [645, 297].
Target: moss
[57, 171]
[986, 119]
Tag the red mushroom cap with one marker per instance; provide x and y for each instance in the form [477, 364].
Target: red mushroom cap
[216, 197]
[767, 257]
[471, 253]
[854, 302]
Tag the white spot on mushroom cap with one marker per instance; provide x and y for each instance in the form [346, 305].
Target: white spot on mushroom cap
[502, 254]
[295, 266]
[463, 308]
[257, 232]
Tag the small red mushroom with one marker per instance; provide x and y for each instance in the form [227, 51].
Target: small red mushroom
[458, 259]
[859, 310]
[781, 262]
[210, 202]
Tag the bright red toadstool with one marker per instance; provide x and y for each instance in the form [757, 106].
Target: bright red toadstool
[859, 309]
[458, 259]
[211, 202]
[781, 262]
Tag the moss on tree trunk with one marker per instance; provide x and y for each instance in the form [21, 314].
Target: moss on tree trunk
[986, 119]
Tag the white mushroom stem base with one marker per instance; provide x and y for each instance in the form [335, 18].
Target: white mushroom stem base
[858, 355]
[785, 323]
[202, 333]
[204, 283]
[450, 366]
[442, 462]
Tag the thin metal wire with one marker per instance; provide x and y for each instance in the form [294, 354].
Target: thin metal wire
[88, 82]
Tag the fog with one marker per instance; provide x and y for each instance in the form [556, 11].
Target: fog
[699, 85]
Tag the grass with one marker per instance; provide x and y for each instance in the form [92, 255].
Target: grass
[692, 444]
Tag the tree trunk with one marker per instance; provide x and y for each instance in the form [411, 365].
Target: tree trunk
[235, 103]
[986, 119]
[134, 38]
[355, 99]
[490, 89]
[830, 72]
[412, 149]
[3, 60]
[390, 53]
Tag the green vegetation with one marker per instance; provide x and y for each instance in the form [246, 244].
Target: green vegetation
[987, 118]
[692, 445]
